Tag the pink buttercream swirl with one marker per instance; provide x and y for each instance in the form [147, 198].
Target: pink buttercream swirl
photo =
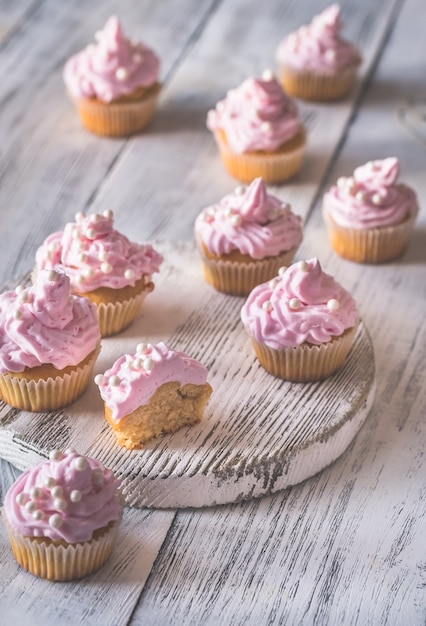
[319, 46]
[134, 378]
[302, 304]
[249, 220]
[45, 324]
[371, 197]
[257, 115]
[113, 67]
[65, 498]
[93, 254]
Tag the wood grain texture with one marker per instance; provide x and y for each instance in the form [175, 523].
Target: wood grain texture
[259, 435]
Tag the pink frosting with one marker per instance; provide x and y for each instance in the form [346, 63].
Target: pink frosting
[115, 66]
[93, 254]
[66, 498]
[302, 304]
[251, 221]
[319, 46]
[134, 378]
[45, 324]
[257, 115]
[371, 197]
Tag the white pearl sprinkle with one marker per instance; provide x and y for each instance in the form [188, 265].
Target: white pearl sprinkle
[82, 257]
[52, 276]
[106, 268]
[100, 379]
[55, 521]
[282, 270]
[94, 218]
[36, 493]
[115, 381]
[142, 348]
[360, 196]
[75, 234]
[21, 499]
[60, 504]
[70, 451]
[18, 315]
[236, 220]
[91, 233]
[49, 482]
[240, 190]
[377, 199]
[103, 255]
[266, 127]
[30, 507]
[79, 217]
[56, 455]
[53, 246]
[129, 274]
[303, 266]
[267, 306]
[148, 365]
[98, 476]
[75, 495]
[137, 364]
[80, 464]
[122, 73]
[370, 165]
[38, 515]
[294, 304]
[274, 282]
[89, 272]
[19, 289]
[333, 304]
[108, 214]
[267, 74]
[24, 297]
[341, 182]
[57, 491]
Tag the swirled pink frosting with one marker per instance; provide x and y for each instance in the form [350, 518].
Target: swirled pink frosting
[249, 220]
[302, 304]
[93, 254]
[115, 66]
[319, 46]
[257, 115]
[45, 324]
[371, 197]
[65, 498]
[134, 378]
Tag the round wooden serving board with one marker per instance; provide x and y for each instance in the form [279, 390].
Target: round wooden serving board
[259, 434]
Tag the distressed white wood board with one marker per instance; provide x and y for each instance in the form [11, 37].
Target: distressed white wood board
[106, 598]
[259, 434]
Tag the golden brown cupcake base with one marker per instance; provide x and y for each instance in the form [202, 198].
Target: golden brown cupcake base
[318, 86]
[273, 167]
[122, 117]
[171, 407]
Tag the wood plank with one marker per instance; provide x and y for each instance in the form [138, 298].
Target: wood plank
[259, 435]
[13, 13]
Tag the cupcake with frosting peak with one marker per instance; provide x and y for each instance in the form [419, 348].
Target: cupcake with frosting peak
[49, 341]
[246, 237]
[258, 131]
[302, 323]
[62, 516]
[370, 215]
[316, 62]
[104, 266]
[152, 391]
[114, 83]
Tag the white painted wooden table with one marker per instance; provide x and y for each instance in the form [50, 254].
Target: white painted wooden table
[347, 545]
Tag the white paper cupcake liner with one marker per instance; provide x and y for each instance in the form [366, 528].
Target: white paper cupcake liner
[116, 316]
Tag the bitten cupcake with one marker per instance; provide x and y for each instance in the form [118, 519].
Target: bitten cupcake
[62, 516]
[301, 323]
[258, 131]
[153, 391]
[114, 83]
[49, 341]
[246, 238]
[315, 62]
[103, 265]
[370, 216]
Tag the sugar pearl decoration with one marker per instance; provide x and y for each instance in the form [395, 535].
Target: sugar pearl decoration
[75, 495]
[294, 304]
[333, 304]
[266, 127]
[55, 521]
[36, 493]
[267, 306]
[103, 255]
[240, 190]
[98, 476]
[236, 220]
[56, 455]
[122, 73]
[57, 491]
[142, 348]
[274, 282]
[148, 364]
[79, 217]
[282, 270]
[80, 464]
[49, 482]
[70, 451]
[360, 196]
[100, 379]
[377, 199]
[21, 499]
[18, 315]
[60, 504]
[52, 276]
[115, 381]
[341, 182]
[267, 74]
[303, 266]
[108, 214]
[95, 218]
[129, 274]
[82, 257]
[30, 506]
[137, 364]
[106, 267]
[38, 515]
[89, 272]
[19, 289]
[91, 233]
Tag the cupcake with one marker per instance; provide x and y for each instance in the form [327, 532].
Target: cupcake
[369, 215]
[49, 341]
[302, 323]
[62, 516]
[153, 391]
[258, 131]
[103, 265]
[114, 83]
[246, 238]
[315, 62]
